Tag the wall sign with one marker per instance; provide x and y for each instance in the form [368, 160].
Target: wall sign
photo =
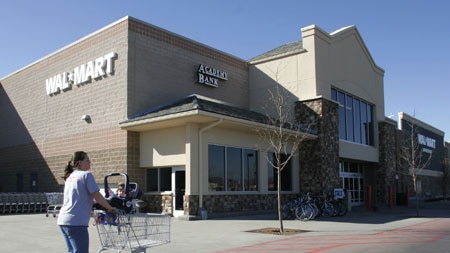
[210, 76]
[100, 67]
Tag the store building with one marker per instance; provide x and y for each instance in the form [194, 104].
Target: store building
[181, 118]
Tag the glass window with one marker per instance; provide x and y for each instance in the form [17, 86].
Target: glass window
[232, 169]
[370, 140]
[165, 179]
[159, 179]
[216, 170]
[349, 117]
[363, 123]
[355, 118]
[250, 172]
[286, 174]
[152, 180]
[341, 101]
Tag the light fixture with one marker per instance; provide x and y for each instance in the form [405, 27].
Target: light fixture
[86, 118]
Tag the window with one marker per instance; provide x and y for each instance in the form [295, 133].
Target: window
[159, 179]
[355, 118]
[232, 169]
[286, 174]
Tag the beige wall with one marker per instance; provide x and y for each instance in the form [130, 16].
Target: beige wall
[178, 147]
[163, 148]
[339, 60]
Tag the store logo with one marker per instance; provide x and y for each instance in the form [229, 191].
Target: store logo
[100, 67]
[210, 76]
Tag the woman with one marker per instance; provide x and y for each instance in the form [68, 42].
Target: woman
[80, 190]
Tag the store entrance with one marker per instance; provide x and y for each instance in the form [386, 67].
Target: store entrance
[178, 189]
[352, 177]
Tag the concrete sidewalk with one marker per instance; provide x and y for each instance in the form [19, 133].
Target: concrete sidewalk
[37, 233]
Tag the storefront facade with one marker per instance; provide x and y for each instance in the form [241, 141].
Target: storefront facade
[181, 118]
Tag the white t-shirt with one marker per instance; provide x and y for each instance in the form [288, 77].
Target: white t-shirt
[78, 200]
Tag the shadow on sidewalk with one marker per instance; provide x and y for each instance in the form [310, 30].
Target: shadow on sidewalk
[379, 214]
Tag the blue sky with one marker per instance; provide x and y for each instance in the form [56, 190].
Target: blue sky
[409, 39]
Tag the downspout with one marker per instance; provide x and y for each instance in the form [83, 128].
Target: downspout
[200, 160]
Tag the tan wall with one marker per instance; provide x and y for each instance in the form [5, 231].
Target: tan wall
[44, 131]
[164, 148]
[341, 60]
[165, 66]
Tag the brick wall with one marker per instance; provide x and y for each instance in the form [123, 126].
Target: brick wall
[163, 68]
[44, 130]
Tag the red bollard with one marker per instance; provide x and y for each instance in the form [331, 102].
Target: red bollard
[369, 198]
[390, 196]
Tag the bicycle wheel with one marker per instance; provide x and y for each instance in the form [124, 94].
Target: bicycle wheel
[304, 212]
[327, 210]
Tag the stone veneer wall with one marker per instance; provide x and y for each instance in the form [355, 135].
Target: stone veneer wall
[216, 205]
[319, 158]
[386, 170]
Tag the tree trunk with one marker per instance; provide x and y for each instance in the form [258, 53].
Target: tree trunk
[417, 194]
[280, 217]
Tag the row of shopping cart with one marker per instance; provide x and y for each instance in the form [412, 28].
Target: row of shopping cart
[30, 202]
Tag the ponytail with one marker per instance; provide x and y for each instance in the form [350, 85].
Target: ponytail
[68, 170]
[76, 158]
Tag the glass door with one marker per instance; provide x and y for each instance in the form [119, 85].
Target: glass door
[178, 189]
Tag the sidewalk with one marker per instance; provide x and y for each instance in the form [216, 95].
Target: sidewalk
[37, 233]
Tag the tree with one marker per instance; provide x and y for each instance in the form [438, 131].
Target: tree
[413, 156]
[282, 137]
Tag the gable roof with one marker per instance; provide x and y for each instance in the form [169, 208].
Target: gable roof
[284, 50]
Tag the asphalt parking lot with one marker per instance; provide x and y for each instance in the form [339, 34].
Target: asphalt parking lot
[37, 233]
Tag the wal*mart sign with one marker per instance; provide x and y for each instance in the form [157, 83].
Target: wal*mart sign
[100, 67]
[210, 76]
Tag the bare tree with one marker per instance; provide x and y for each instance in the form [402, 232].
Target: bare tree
[282, 137]
[413, 157]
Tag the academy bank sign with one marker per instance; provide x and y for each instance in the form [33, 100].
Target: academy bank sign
[210, 76]
[95, 69]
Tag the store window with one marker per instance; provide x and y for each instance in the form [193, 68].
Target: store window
[232, 169]
[355, 118]
[159, 179]
[286, 174]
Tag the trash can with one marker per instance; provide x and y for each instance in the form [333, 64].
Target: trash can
[203, 213]
[140, 206]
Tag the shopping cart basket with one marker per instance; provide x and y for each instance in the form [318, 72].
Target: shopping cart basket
[131, 232]
[55, 201]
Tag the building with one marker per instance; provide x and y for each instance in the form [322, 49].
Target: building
[181, 118]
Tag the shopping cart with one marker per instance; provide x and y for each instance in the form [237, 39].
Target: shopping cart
[54, 201]
[131, 232]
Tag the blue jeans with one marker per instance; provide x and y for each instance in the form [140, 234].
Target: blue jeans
[76, 238]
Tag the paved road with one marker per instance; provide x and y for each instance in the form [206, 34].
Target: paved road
[387, 230]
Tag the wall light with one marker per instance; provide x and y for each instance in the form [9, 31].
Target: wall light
[86, 118]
